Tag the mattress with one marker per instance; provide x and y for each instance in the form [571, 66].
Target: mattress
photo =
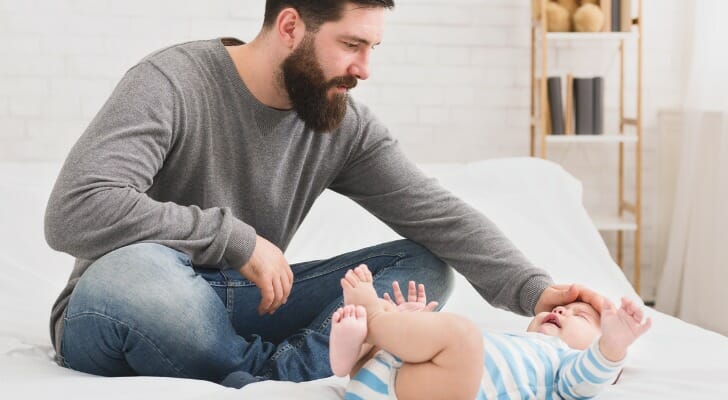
[535, 202]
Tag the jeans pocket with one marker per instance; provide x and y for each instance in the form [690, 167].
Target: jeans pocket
[213, 276]
[235, 279]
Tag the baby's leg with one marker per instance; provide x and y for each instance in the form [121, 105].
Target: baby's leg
[348, 330]
[442, 352]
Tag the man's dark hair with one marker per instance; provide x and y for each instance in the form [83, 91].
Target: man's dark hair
[316, 12]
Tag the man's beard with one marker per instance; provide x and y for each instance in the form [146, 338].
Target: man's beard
[307, 89]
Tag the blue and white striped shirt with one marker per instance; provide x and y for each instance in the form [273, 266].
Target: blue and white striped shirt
[538, 366]
[517, 366]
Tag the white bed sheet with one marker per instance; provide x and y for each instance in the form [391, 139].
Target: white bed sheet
[535, 202]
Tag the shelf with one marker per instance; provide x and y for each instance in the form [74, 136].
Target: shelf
[614, 223]
[569, 36]
[578, 48]
[591, 139]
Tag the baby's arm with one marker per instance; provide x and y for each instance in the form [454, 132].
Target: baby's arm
[584, 374]
[620, 328]
[605, 356]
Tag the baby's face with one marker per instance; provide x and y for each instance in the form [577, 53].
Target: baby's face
[577, 324]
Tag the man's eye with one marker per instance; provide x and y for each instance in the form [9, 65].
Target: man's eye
[351, 45]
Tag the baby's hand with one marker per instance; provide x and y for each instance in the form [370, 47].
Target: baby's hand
[620, 328]
[416, 298]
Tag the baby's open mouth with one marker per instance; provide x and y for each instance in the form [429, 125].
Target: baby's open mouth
[552, 319]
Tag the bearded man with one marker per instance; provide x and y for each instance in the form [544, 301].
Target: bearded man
[182, 194]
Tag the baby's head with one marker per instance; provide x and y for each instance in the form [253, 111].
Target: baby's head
[577, 324]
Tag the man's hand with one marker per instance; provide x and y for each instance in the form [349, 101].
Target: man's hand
[561, 295]
[270, 272]
[416, 298]
[620, 328]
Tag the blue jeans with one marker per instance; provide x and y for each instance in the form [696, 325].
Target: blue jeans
[145, 309]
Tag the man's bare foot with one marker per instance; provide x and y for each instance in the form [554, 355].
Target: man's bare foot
[348, 331]
[358, 288]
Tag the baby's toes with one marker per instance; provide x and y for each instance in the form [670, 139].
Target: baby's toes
[336, 316]
[361, 272]
[361, 312]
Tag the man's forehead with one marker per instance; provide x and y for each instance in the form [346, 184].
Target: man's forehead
[365, 24]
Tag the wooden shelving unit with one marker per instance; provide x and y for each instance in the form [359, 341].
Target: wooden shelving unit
[629, 216]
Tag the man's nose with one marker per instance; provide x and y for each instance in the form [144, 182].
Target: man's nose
[360, 68]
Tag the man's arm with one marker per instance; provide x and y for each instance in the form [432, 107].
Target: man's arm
[99, 202]
[381, 179]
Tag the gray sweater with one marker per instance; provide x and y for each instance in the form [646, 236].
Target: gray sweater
[182, 154]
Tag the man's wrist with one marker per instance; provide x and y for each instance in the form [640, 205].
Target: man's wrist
[531, 292]
[241, 244]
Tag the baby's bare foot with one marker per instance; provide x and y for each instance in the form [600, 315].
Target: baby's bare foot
[348, 330]
[358, 288]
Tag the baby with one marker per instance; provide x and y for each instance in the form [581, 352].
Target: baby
[570, 352]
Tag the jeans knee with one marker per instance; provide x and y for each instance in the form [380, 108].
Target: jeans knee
[146, 302]
[136, 280]
[138, 262]
[428, 269]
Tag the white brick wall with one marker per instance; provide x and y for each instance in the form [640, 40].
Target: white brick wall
[450, 80]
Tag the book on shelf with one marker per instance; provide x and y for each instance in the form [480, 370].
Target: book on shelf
[589, 106]
[616, 15]
[620, 14]
[598, 105]
[583, 113]
[584, 106]
[556, 108]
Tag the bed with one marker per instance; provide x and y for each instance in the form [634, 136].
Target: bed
[535, 202]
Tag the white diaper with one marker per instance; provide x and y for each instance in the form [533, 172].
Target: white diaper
[375, 381]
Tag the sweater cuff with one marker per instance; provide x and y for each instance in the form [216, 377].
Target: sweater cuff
[531, 291]
[240, 245]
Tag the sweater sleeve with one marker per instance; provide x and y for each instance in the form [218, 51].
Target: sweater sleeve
[584, 374]
[381, 179]
[99, 202]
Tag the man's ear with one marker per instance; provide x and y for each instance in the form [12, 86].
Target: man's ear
[290, 27]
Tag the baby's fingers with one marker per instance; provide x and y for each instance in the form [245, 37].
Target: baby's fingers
[638, 314]
[632, 309]
[421, 294]
[642, 328]
[431, 306]
[411, 292]
[398, 296]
